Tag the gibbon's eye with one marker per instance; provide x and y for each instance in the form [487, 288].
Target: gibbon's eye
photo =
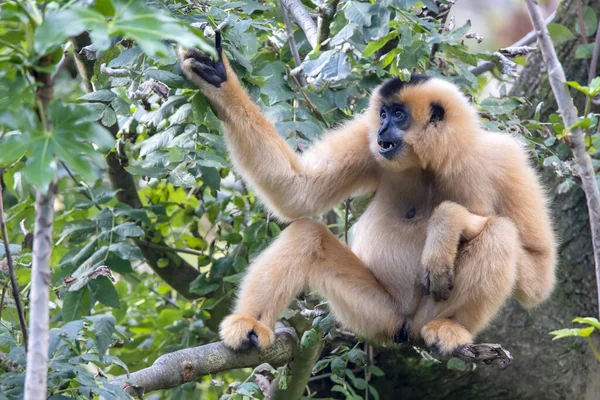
[382, 115]
[399, 113]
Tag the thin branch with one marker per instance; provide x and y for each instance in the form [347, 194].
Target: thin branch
[292, 43]
[36, 374]
[177, 368]
[171, 249]
[303, 19]
[39, 316]
[11, 272]
[485, 353]
[595, 55]
[524, 41]
[581, 22]
[576, 137]
[310, 103]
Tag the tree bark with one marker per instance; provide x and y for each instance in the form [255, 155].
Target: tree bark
[542, 368]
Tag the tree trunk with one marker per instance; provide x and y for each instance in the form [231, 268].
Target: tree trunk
[542, 369]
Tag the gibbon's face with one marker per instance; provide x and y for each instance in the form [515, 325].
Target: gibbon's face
[423, 123]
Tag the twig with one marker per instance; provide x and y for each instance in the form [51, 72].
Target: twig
[568, 112]
[595, 54]
[174, 369]
[303, 19]
[528, 39]
[11, 272]
[346, 219]
[74, 179]
[581, 22]
[326, 14]
[310, 103]
[171, 249]
[292, 43]
[4, 288]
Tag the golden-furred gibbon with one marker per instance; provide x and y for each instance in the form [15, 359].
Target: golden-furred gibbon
[459, 221]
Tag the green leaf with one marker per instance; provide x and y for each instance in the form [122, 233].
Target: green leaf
[559, 34]
[103, 327]
[105, 96]
[128, 229]
[590, 22]
[59, 25]
[357, 357]
[104, 292]
[150, 27]
[375, 45]
[338, 366]
[563, 333]
[588, 320]
[358, 12]
[584, 51]
[375, 370]
[76, 304]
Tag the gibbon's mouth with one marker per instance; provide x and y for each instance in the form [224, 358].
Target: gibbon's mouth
[389, 148]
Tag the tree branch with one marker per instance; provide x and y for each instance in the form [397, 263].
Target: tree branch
[326, 14]
[36, 374]
[575, 135]
[524, 41]
[292, 43]
[301, 367]
[11, 273]
[303, 19]
[189, 365]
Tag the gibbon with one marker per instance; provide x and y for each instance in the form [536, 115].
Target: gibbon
[459, 221]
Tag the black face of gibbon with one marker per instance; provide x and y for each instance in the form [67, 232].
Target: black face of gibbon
[395, 118]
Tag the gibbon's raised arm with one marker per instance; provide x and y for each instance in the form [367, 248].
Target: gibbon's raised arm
[292, 186]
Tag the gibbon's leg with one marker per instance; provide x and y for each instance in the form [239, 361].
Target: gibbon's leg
[307, 256]
[449, 224]
[486, 273]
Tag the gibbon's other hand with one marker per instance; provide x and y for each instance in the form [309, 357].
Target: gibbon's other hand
[438, 282]
[195, 62]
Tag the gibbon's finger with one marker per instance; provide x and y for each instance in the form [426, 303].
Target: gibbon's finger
[207, 72]
[199, 56]
[218, 46]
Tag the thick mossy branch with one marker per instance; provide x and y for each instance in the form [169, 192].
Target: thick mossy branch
[191, 364]
[177, 368]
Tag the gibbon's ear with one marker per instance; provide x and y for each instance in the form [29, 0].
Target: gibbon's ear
[437, 112]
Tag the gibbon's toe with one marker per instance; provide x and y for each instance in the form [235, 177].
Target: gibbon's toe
[238, 331]
[446, 335]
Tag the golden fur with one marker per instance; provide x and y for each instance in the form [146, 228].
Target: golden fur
[481, 222]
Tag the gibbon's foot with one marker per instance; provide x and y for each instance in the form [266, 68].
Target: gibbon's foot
[438, 282]
[238, 331]
[403, 334]
[445, 335]
[196, 62]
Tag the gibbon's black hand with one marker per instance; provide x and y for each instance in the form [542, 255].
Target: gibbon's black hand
[212, 72]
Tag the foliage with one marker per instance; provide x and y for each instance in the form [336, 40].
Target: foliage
[581, 332]
[109, 311]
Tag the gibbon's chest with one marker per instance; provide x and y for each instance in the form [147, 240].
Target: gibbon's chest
[390, 235]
